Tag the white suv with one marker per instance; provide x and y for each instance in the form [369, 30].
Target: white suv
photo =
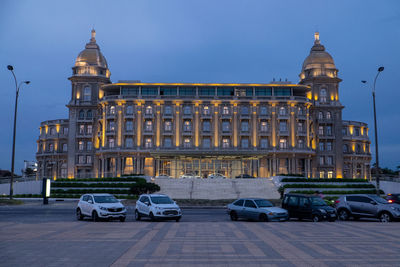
[157, 206]
[100, 206]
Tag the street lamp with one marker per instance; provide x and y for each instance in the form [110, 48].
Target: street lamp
[380, 69]
[17, 86]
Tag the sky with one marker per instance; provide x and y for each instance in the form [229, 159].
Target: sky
[240, 41]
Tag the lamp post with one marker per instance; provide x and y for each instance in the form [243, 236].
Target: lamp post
[380, 69]
[17, 87]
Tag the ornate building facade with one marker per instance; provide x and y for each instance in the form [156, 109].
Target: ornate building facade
[131, 127]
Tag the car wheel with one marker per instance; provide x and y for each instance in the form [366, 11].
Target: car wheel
[178, 219]
[263, 217]
[233, 216]
[95, 216]
[79, 215]
[122, 219]
[316, 218]
[137, 215]
[344, 215]
[151, 215]
[385, 217]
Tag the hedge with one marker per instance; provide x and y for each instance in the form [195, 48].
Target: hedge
[108, 179]
[334, 192]
[321, 180]
[329, 186]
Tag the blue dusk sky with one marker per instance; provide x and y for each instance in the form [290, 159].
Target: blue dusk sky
[196, 41]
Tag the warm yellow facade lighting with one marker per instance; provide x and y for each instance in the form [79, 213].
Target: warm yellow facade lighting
[58, 128]
[351, 129]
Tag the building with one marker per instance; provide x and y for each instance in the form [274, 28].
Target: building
[132, 127]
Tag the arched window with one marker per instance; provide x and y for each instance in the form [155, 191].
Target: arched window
[320, 115]
[89, 114]
[187, 110]
[129, 109]
[282, 111]
[87, 93]
[328, 115]
[149, 110]
[112, 109]
[168, 110]
[322, 95]
[81, 114]
[245, 110]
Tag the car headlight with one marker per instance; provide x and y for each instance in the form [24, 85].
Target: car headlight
[102, 208]
[322, 210]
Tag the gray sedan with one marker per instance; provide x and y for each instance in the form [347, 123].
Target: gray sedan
[256, 209]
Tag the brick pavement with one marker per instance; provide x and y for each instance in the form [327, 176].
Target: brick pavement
[199, 244]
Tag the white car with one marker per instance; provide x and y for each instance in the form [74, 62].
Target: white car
[216, 176]
[162, 176]
[157, 206]
[189, 176]
[100, 206]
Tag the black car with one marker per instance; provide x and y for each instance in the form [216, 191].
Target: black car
[308, 207]
[244, 176]
[393, 198]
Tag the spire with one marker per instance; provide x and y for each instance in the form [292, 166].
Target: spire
[93, 39]
[316, 37]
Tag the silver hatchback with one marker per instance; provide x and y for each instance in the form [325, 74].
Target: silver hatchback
[366, 206]
[256, 209]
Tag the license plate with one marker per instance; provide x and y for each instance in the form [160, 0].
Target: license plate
[333, 215]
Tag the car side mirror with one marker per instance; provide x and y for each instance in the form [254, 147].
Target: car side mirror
[147, 203]
[90, 201]
[372, 202]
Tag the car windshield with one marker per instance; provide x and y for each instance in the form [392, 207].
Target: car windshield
[379, 199]
[263, 203]
[161, 200]
[316, 201]
[105, 199]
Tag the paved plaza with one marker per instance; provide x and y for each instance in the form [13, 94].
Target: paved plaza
[214, 241]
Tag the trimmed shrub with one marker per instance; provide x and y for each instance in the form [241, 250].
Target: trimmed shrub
[321, 180]
[335, 192]
[139, 189]
[360, 185]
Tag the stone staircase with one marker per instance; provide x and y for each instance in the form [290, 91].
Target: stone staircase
[217, 188]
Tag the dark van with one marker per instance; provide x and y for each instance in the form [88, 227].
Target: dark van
[308, 207]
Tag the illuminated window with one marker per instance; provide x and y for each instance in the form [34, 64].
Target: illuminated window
[187, 110]
[81, 159]
[328, 115]
[244, 126]
[300, 127]
[129, 126]
[244, 110]
[206, 110]
[264, 126]
[87, 93]
[186, 143]
[330, 174]
[89, 159]
[300, 143]
[320, 115]
[148, 126]
[226, 126]
[283, 126]
[225, 110]
[300, 111]
[111, 126]
[129, 142]
[167, 126]
[245, 143]
[206, 126]
[82, 129]
[321, 174]
[283, 143]
[112, 110]
[328, 146]
[148, 143]
[263, 110]
[111, 143]
[167, 110]
[81, 145]
[264, 143]
[225, 143]
[321, 130]
[149, 110]
[168, 142]
[321, 160]
[187, 126]
[89, 129]
[81, 114]
[206, 143]
[322, 95]
[282, 111]
[129, 110]
[64, 147]
[89, 146]
[321, 146]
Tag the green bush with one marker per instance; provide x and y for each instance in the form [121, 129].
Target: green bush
[291, 175]
[360, 185]
[321, 180]
[336, 192]
[139, 189]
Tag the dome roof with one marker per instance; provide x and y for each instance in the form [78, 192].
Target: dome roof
[91, 56]
[318, 58]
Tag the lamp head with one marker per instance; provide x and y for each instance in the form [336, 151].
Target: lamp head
[27, 82]
[380, 69]
[9, 67]
[364, 81]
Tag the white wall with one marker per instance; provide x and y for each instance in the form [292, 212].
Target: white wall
[30, 187]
